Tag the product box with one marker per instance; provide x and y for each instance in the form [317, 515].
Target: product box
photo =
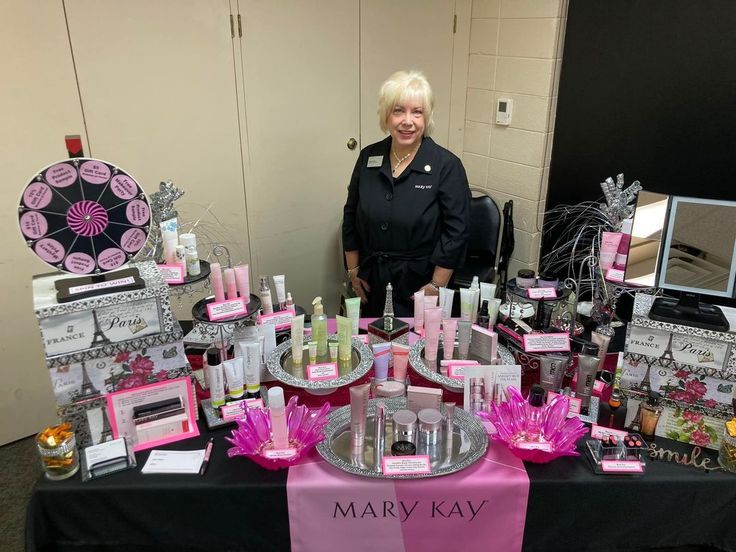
[134, 363]
[693, 369]
[104, 319]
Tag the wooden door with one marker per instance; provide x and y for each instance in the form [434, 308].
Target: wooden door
[157, 85]
[301, 83]
[39, 105]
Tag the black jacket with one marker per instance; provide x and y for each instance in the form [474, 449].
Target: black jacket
[404, 227]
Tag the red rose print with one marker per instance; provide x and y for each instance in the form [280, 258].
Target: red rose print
[141, 364]
[700, 438]
[122, 357]
[692, 417]
[710, 403]
[695, 387]
[682, 374]
[683, 396]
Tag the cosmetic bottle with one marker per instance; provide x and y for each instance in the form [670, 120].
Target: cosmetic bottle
[180, 256]
[547, 279]
[218, 288]
[242, 279]
[552, 371]
[297, 340]
[533, 429]
[447, 297]
[319, 327]
[251, 352]
[587, 366]
[419, 311]
[622, 253]
[449, 332]
[189, 241]
[464, 335]
[277, 412]
[231, 288]
[650, 413]
[483, 318]
[279, 282]
[265, 295]
[613, 413]
[289, 301]
[216, 377]
[358, 414]
[379, 434]
[475, 288]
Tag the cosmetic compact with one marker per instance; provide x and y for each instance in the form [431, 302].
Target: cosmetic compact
[430, 426]
[405, 426]
[390, 389]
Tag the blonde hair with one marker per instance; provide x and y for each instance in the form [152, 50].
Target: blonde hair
[403, 86]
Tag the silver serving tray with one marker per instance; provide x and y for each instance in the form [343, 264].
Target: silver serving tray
[280, 366]
[417, 361]
[468, 444]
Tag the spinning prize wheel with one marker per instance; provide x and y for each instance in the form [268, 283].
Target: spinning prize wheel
[84, 216]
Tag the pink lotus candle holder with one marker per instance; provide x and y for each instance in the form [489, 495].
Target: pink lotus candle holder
[559, 433]
[252, 438]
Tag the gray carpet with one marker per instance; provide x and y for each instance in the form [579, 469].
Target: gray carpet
[19, 470]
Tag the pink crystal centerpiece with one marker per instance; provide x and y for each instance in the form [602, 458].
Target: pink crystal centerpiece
[558, 436]
[253, 436]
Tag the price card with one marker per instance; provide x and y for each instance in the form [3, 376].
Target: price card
[615, 275]
[529, 445]
[226, 309]
[621, 466]
[542, 293]
[235, 409]
[457, 371]
[279, 453]
[405, 465]
[599, 432]
[280, 319]
[322, 372]
[576, 404]
[546, 342]
[172, 274]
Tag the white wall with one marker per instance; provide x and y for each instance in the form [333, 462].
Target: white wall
[515, 52]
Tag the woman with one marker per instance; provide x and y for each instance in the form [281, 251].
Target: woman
[406, 217]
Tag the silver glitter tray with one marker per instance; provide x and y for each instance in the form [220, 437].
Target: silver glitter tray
[417, 361]
[468, 444]
[280, 365]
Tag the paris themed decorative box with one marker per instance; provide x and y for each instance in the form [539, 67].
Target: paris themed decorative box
[694, 370]
[104, 319]
[124, 365]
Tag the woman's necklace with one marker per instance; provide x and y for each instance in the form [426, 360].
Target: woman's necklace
[399, 160]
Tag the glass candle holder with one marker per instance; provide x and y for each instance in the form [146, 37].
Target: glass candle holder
[57, 448]
[727, 454]
[649, 420]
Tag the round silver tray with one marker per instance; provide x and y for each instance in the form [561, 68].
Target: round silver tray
[280, 365]
[416, 359]
[468, 444]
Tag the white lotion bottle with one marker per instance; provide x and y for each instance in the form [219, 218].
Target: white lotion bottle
[277, 409]
[265, 295]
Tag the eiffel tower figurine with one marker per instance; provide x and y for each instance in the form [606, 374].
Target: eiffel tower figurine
[388, 308]
[88, 388]
[98, 338]
[635, 425]
[667, 357]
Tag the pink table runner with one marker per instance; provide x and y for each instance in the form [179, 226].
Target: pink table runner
[480, 508]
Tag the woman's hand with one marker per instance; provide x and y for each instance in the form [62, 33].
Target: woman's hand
[360, 287]
[429, 290]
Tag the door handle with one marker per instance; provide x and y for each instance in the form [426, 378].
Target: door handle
[352, 143]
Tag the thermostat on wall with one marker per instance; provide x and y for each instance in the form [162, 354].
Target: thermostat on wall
[503, 111]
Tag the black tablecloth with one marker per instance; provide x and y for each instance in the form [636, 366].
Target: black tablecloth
[238, 505]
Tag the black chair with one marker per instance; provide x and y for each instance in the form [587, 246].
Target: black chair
[485, 227]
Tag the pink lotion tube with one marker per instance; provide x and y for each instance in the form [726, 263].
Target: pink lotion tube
[358, 414]
[609, 246]
[449, 330]
[230, 285]
[430, 301]
[401, 360]
[216, 279]
[242, 278]
[419, 311]
[432, 320]
[277, 413]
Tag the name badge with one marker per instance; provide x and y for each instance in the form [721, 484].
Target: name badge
[375, 161]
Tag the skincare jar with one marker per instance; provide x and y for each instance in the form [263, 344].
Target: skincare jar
[430, 426]
[525, 278]
[405, 426]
